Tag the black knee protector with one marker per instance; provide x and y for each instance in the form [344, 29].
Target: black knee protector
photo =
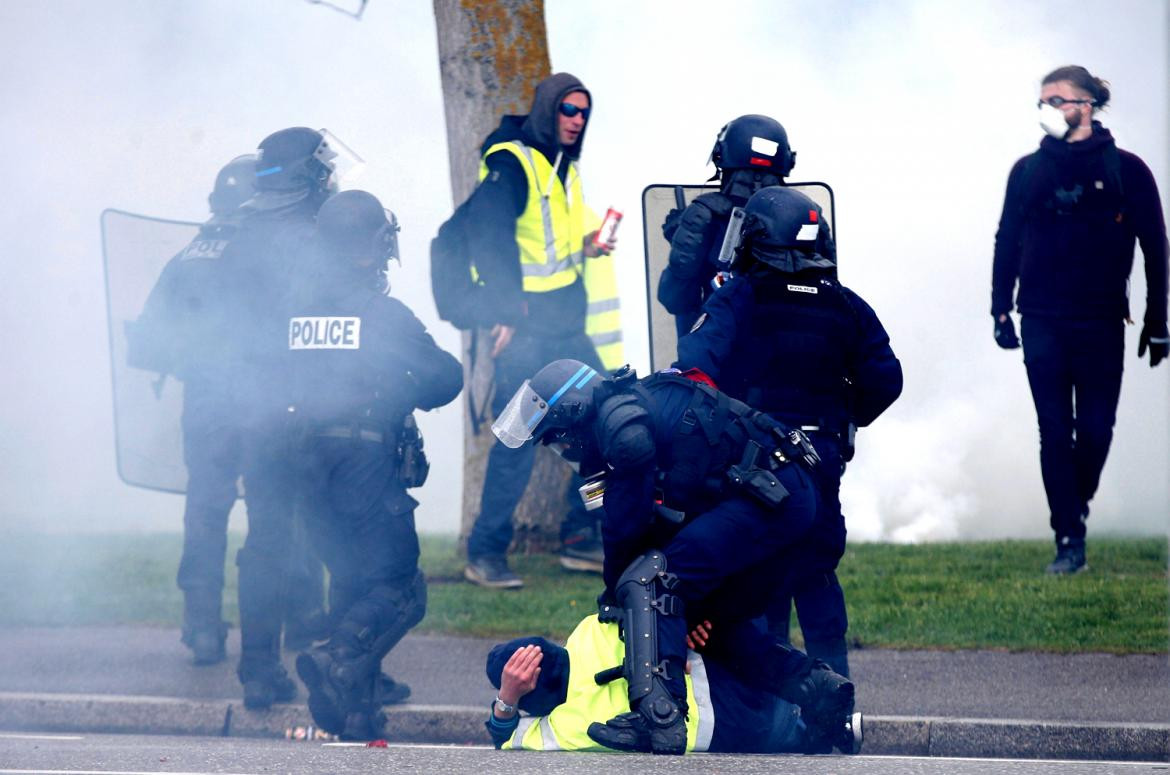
[642, 592]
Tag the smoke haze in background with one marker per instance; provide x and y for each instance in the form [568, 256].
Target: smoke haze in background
[913, 112]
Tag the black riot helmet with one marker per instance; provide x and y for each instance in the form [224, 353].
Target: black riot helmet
[300, 163]
[552, 407]
[780, 229]
[234, 185]
[354, 228]
[754, 142]
[288, 161]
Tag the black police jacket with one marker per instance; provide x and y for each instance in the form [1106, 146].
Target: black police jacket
[361, 359]
[667, 449]
[802, 348]
[186, 319]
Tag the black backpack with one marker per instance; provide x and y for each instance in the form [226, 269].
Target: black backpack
[459, 298]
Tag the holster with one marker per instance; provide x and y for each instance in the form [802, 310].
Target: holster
[413, 466]
[759, 483]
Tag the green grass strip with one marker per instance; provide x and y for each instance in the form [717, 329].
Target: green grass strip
[979, 595]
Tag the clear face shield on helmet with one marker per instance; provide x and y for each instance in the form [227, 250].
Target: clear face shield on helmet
[520, 417]
[347, 166]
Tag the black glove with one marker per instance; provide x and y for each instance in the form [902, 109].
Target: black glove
[1156, 337]
[1005, 333]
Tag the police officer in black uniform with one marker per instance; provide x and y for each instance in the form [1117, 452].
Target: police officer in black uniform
[361, 363]
[750, 153]
[703, 498]
[295, 173]
[784, 336]
[179, 333]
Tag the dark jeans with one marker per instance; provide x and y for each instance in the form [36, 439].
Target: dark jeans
[1074, 370]
[508, 470]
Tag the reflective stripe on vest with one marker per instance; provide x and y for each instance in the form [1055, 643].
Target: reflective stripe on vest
[603, 319]
[551, 230]
[706, 710]
[548, 738]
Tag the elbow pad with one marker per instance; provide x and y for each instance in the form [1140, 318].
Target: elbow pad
[623, 426]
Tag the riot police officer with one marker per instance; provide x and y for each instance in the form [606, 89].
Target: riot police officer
[296, 170]
[361, 363]
[178, 332]
[750, 153]
[787, 338]
[703, 496]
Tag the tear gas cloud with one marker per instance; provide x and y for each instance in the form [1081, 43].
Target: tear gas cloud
[912, 111]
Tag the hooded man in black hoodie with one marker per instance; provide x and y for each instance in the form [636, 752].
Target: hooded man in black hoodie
[1071, 216]
[529, 243]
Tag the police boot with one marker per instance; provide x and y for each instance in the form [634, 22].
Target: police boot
[387, 691]
[657, 721]
[826, 705]
[265, 682]
[204, 631]
[341, 675]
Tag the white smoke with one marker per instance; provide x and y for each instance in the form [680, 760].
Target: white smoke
[912, 111]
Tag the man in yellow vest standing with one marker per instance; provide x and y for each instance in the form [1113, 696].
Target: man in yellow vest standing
[528, 237]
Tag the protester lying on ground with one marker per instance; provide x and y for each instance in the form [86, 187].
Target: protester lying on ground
[563, 690]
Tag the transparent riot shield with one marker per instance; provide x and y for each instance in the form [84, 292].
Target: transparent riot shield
[657, 201]
[147, 406]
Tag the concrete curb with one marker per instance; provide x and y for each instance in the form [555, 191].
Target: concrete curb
[460, 725]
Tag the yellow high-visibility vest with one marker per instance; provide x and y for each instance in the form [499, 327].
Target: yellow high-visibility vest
[551, 230]
[603, 321]
[594, 647]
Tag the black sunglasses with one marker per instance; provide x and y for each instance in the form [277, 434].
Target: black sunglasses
[1056, 102]
[569, 110]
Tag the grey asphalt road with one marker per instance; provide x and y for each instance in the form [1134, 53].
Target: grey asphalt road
[449, 671]
[123, 754]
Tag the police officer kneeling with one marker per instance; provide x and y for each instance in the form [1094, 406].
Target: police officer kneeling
[703, 496]
[362, 362]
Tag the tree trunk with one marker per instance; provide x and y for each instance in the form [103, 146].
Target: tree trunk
[492, 53]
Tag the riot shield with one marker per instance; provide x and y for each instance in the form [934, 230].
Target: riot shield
[147, 406]
[657, 201]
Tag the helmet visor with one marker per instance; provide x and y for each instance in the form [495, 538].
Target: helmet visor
[347, 166]
[520, 417]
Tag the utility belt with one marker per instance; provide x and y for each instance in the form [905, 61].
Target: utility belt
[844, 432]
[404, 443]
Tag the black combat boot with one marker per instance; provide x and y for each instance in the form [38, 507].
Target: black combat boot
[204, 631]
[826, 705]
[265, 682]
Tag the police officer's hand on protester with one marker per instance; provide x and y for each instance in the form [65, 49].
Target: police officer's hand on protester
[1005, 333]
[1155, 337]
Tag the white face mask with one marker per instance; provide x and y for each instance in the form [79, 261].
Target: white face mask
[1052, 121]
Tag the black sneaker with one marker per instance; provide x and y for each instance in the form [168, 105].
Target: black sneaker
[492, 572]
[581, 551]
[851, 738]
[1070, 558]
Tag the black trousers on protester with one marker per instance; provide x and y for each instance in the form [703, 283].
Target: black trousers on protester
[1074, 370]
